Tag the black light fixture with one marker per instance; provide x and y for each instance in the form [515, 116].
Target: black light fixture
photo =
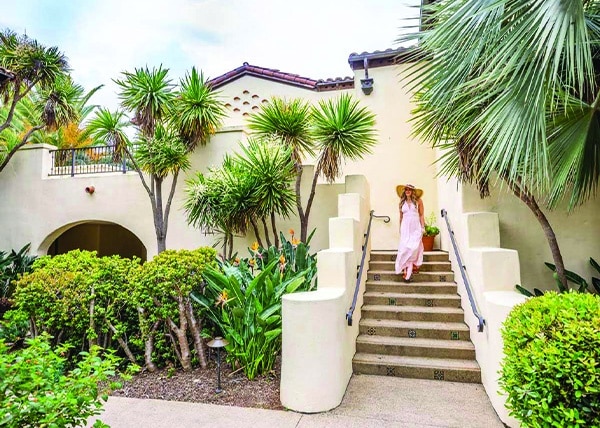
[218, 343]
[366, 84]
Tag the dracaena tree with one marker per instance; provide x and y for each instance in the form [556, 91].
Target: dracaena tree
[509, 89]
[32, 67]
[170, 122]
[333, 130]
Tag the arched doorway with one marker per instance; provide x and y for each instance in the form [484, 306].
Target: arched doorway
[106, 239]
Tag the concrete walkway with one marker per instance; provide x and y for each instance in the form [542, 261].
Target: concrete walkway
[370, 401]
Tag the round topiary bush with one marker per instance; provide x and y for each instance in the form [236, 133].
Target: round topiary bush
[551, 367]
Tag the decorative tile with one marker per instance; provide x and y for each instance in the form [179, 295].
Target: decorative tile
[392, 302]
[455, 335]
[390, 371]
[412, 333]
[438, 375]
[442, 278]
[429, 303]
[371, 331]
[393, 258]
[377, 277]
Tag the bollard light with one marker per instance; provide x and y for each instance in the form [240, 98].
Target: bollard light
[218, 343]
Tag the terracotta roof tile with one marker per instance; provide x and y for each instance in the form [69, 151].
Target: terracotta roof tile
[282, 77]
[382, 58]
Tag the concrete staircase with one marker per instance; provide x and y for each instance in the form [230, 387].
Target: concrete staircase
[414, 329]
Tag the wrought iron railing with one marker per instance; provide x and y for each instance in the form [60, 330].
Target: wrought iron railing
[463, 273]
[386, 219]
[88, 160]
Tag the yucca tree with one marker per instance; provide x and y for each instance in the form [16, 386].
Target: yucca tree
[33, 65]
[510, 89]
[170, 121]
[271, 170]
[333, 129]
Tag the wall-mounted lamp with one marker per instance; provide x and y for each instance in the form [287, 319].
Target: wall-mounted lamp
[90, 189]
[366, 84]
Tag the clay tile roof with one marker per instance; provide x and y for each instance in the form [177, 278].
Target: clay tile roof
[264, 73]
[382, 58]
[282, 77]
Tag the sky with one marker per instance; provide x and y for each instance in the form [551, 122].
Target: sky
[103, 38]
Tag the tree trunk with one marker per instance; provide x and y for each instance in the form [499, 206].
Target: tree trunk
[523, 193]
[149, 348]
[158, 217]
[93, 339]
[230, 246]
[122, 343]
[303, 222]
[256, 231]
[274, 227]
[181, 333]
[195, 329]
[267, 237]
[311, 197]
[14, 150]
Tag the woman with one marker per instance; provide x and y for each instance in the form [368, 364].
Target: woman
[412, 226]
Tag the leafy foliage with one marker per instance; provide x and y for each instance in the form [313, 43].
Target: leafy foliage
[582, 285]
[36, 389]
[430, 227]
[12, 265]
[550, 368]
[244, 300]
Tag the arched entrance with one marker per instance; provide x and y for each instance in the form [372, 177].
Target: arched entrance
[106, 239]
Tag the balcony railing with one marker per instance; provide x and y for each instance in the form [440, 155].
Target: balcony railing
[88, 160]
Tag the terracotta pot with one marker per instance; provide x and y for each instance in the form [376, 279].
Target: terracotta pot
[428, 243]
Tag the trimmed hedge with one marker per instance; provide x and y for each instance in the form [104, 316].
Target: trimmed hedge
[551, 369]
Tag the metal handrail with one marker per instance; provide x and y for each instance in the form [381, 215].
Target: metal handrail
[462, 267]
[88, 160]
[362, 263]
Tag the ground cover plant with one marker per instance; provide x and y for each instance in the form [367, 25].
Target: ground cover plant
[551, 369]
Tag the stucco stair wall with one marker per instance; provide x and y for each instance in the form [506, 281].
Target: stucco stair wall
[414, 329]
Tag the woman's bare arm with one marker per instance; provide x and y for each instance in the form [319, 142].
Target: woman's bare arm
[421, 213]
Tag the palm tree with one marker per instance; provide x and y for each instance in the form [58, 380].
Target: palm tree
[335, 129]
[510, 88]
[170, 122]
[33, 65]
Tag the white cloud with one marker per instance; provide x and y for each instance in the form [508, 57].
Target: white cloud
[311, 38]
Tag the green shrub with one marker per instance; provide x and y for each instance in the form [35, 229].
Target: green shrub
[162, 290]
[80, 299]
[36, 391]
[551, 368]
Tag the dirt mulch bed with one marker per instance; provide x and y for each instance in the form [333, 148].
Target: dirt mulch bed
[199, 386]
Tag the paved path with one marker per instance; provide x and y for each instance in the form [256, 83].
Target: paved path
[370, 401]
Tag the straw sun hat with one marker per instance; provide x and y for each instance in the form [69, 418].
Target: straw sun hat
[400, 190]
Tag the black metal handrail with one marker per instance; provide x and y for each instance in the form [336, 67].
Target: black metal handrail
[386, 219]
[88, 160]
[463, 269]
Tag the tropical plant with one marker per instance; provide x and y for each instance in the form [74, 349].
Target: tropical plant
[550, 368]
[243, 299]
[32, 65]
[170, 123]
[508, 89]
[36, 389]
[333, 129]
[12, 265]
[249, 187]
[578, 280]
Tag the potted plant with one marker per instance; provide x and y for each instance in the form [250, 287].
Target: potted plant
[431, 231]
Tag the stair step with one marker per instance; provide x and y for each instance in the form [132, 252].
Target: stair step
[417, 329]
[382, 275]
[415, 347]
[411, 299]
[453, 370]
[412, 287]
[390, 255]
[389, 266]
[413, 313]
